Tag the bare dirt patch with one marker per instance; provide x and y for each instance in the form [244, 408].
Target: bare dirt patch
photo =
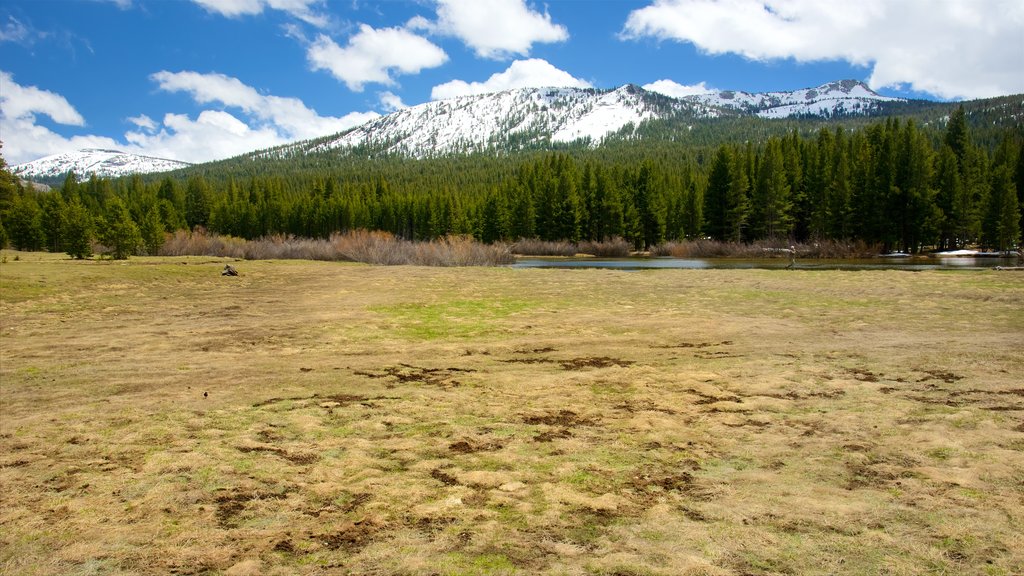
[408, 374]
[293, 457]
[351, 536]
[565, 418]
[593, 362]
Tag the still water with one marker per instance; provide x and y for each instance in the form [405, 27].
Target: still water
[880, 263]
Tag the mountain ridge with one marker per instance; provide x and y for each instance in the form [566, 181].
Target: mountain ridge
[509, 121]
[101, 162]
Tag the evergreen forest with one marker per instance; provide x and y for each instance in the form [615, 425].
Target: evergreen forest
[889, 182]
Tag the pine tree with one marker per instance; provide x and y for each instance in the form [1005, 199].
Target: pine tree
[152, 231]
[24, 224]
[1002, 230]
[716, 207]
[771, 215]
[737, 200]
[119, 232]
[958, 136]
[9, 187]
[78, 230]
[54, 210]
[197, 202]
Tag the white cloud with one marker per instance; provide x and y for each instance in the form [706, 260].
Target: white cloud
[144, 122]
[494, 28]
[25, 102]
[950, 48]
[301, 9]
[372, 55]
[532, 73]
[265, 121]
[677, 90]
[288, 117]
[391, 102]
[15, 31]
[213, 135]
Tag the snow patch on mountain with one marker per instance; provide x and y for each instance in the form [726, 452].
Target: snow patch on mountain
[833, 99]
[93, 161]
[511, 119]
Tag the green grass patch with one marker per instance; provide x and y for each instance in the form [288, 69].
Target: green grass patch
[456, 320]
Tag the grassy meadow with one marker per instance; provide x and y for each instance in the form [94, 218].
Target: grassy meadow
[331, 418]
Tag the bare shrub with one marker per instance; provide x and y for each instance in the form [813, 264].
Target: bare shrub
[534, 247]
[704, 248]
[611, 248]
[371, 247]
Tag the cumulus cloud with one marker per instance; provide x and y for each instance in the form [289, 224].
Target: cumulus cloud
[950, 48]
[23, 138]
[289, 117]
[373, 55]
[263, 121]
[532, 73]
[391, 102]
[144, 122]
[25, 102]
[494, 28]
[301, 9]
[677, 90]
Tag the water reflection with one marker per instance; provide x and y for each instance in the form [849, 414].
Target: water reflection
[881, 263]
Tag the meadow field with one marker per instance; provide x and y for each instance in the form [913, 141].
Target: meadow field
[332, 418]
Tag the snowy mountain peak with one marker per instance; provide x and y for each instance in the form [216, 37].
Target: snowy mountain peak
[89, 161]
[509, 120]
[839, 98]
[540, 117]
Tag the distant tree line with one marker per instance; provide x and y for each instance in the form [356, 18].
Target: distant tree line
[890, 183]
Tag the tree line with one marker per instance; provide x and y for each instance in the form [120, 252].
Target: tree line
[891, 183]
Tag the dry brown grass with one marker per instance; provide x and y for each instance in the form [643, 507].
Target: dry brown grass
[328, 418]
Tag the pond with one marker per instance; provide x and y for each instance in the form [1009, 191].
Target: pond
[880, 263]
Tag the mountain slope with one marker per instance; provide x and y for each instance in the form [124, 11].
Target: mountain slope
[545, 117]
[89, 161]
[846, 97]
[510, 120]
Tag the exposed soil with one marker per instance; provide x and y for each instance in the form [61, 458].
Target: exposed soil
[231, 503]
[593, 362]
[552, 435]
[947, 377]
[407, 374]
[695, 344]
[442, 477]
[561, 418]
[467, 447]
[293, 457]
[643, 406]
[340, 399]
[351, 536]
[863, 375]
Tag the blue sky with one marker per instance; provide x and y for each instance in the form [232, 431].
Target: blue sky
[199, 80]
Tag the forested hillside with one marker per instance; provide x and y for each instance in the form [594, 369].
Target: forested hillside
[903, 184]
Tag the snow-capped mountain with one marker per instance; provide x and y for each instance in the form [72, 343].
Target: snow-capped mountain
[536, 117]
[526, 118]
[86, 162]
[843, 98]
[511, 119]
